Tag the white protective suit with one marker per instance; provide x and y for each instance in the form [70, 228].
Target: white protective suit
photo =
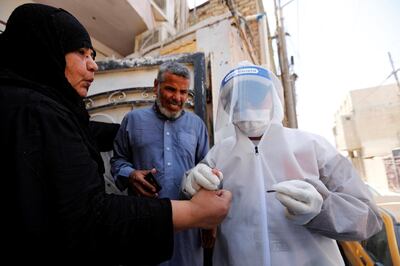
[256, 231]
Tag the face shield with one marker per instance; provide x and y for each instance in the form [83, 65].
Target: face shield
[249, 101]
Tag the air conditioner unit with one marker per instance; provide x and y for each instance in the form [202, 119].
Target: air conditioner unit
[153, 36]
[396, 153]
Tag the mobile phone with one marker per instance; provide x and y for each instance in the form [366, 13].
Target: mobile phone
[150, 178]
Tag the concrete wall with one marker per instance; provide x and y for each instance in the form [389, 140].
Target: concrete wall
[377, 116]
[345, 130]
[376, 173]
[349, 139]
[225, 50]
[368, 122]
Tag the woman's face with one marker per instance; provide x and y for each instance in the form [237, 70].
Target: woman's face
[79, 70]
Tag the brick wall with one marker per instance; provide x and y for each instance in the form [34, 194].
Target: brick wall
[210, 8]
[214, 8]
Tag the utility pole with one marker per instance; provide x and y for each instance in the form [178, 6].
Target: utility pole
[394, 72]
[290, 106]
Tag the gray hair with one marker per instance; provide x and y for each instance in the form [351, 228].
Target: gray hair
[174, 68]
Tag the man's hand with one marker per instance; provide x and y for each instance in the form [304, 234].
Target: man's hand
[202, 176]
[140, 185]
[302, 201]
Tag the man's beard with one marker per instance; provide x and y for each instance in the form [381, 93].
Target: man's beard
[167, 113]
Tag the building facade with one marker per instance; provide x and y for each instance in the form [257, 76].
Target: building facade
[367, 127]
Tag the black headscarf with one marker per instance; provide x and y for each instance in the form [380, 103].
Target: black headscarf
[32, 53]
[33, 47]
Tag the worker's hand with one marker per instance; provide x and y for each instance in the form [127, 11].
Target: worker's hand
[302, 201]
[208, 237]
[201, 176]
[140, 185]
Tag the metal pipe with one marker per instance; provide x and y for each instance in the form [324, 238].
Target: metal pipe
[263, 37]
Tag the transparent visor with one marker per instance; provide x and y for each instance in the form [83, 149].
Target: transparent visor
[247, 94]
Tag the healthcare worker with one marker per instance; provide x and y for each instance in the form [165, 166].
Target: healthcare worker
[317, 196]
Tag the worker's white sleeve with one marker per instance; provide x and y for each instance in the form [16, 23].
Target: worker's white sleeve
[348, 210]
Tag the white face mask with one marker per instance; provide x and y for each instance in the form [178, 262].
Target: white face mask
[252, 128]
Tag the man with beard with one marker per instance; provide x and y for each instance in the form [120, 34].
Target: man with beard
[165, 141]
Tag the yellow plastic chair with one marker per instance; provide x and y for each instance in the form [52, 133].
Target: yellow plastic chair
[356, 254]
[393, 244]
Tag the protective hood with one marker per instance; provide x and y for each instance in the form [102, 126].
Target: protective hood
[248, 99]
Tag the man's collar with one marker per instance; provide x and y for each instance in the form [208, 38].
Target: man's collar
[160, 115]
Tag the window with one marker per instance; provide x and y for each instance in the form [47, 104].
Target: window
[195, 3]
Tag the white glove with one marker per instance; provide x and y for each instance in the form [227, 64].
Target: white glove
[201, 176]
[302, 201]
